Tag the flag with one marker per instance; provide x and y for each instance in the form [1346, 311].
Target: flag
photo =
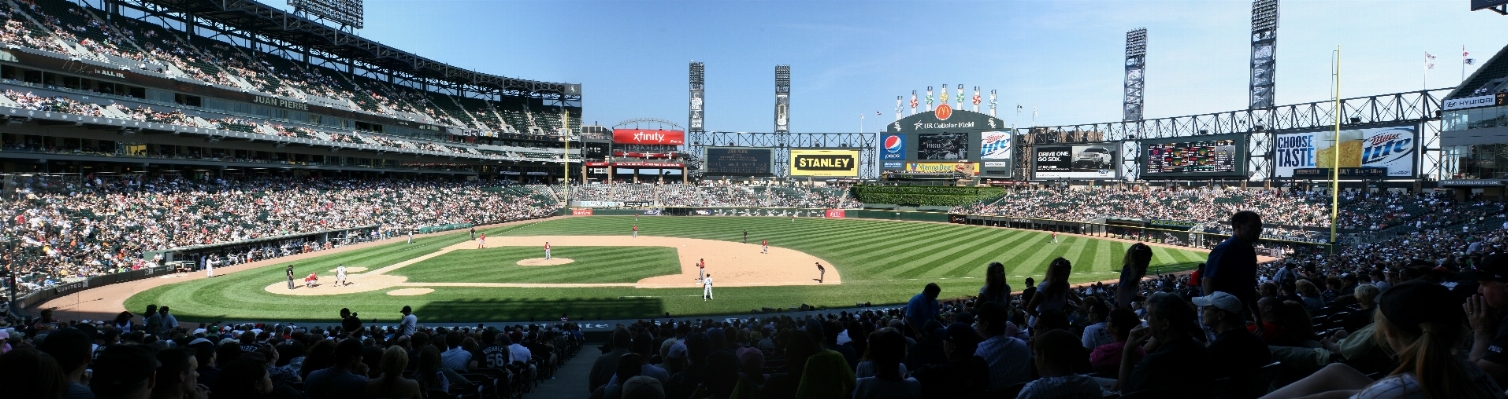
[1465, 57]
[878, 113]
[1429, 60]
[1470, 61]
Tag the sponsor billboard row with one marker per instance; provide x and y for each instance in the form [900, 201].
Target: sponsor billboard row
[970, 168]
[827, 163]
[1393, 149]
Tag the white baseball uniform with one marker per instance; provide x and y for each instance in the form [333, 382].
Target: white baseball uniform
[707, 288]
[340, 275]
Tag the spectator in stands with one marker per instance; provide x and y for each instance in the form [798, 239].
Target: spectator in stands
[127, 372]
[827, 374]
[1133, 269]
[1054, 294]
[70, 347]
[1106, 359]
[392, 384]
[722, 374]
[922, 308]
[1030, 291]
[626, 367]
[1055, 353]
[698, 346]
[1310, 296]
[965, 375]
[1176, 365]
[1095, 334]
[798, 348]
[1239, 353]
[455, 358]
[995, 288]
[1489, 337]
[496, 355]
[607, 364]
[29, 373]
[751, 375]
[345, 378]
[886, 350]
[177, 376]
[1232, 265]
[1008, 357]
[430, 375]
[243, 378]
[1419, 321]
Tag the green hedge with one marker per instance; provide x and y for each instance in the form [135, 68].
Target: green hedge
[926, 195]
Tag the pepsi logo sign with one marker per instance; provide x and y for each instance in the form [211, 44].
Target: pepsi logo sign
[895, 147]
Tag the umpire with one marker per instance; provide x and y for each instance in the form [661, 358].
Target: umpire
[290, 276]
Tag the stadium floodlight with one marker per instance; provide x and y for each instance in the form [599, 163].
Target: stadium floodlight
[1136, 64]
[346, 13]
[696, 82]
[1498, 6]
[1264, 40]
[782, 98]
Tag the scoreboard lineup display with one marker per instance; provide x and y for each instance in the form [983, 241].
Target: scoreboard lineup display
[738, 162]
[1205, 156]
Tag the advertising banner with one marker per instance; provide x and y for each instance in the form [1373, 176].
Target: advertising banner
[969, 168]
[1392, 148]
[1090, 161]
[1206, 156]
[782, 112]
[696, 109]
[581, 212]
[600, 204]
[722, 161]
[942, 146]
[834, 214]
[832, 163]
[649, 136]
[995, 145]
[894, 146]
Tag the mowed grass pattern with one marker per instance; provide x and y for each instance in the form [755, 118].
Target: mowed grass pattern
[880, 261]
[500, 265]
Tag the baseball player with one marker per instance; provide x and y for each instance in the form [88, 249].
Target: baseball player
[547, 250]
[482, 241]
[746, 236]
[290, 277]
[311, 280]
[340, 275]
[636, 229]
[707, 288]
[766, 244]
[410, 236]
[821, 272]
[701, 269]
[1054, 237]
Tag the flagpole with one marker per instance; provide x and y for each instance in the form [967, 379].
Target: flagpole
[1335, 159]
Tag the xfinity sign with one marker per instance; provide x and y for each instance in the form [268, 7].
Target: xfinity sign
[1469, 102]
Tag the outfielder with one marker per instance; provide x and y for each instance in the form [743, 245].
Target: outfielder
[707, 288]
[340, 275]
[636, 229]
[410, 236]
[766, 244]
[1054, 237]
[547, 250]
[481, 242]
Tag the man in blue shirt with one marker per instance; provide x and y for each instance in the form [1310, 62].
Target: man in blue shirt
[923, 307]
[1232, 265]
[345, 379]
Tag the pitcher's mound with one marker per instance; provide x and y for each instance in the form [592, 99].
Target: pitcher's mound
[544, 262]
[410, 291]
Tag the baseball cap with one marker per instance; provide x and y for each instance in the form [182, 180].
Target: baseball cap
[961, 334]
[1409, 304]
[1219, 299]
[677, 351]
[406, 309]
[750, 358]
[642, 387]
[1492, 268]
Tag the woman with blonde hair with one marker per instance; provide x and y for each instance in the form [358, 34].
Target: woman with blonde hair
[1422, 324]
[1053, 293]
[392, 384]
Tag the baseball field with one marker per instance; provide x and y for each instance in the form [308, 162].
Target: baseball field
[599, 271]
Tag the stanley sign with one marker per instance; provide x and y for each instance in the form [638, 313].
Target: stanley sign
[826, 163]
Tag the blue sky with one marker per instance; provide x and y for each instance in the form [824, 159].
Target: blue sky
[852, 58]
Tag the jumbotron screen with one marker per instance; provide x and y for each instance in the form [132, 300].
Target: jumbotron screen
[723, 161]
[1213, 156]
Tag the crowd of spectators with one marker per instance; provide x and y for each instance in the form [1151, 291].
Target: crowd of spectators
[718, 194]
[153, 355]
[102, 225]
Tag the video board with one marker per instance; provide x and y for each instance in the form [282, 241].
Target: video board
[942, 146]
[724, 161]
[1184, 157]
[1086, 161]
[1389, 151]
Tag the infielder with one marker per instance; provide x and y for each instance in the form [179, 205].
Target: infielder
[636, 229]
[482, 241]
[547, 250]
[766, 244]
[340, 275]
[410, 236]
[701, 269]
[821, 272]
[707, 288]
[290, 277]
[746, 236]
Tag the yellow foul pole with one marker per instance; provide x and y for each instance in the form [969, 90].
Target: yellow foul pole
[1335, 159]
[565, 122]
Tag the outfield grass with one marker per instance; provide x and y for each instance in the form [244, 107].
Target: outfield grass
[880, 261]
[499, 265]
